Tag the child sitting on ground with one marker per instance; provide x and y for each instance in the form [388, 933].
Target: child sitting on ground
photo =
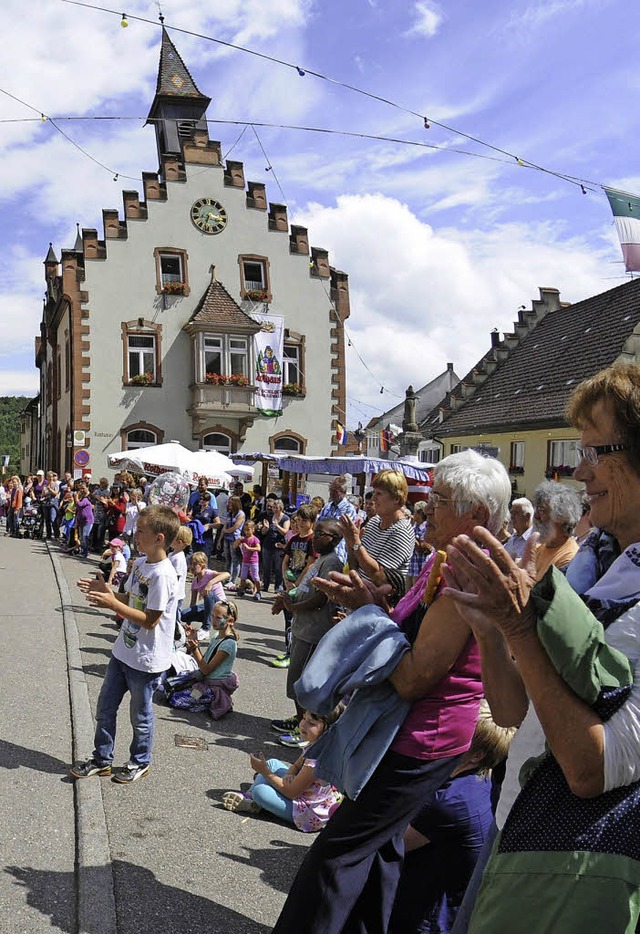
[212, 693]
[207, 584]
[294, 793]
[250, 547]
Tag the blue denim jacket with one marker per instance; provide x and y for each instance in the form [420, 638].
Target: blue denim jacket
[355, 657]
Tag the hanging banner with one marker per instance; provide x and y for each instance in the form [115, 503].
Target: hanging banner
[268, 348]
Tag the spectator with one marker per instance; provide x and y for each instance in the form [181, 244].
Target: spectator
[557, 510]
[337, 507]
[522, 522]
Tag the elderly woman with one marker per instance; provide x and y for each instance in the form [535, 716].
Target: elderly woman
[349, 877]
[557, 510]
[387, 540]
[590, 779]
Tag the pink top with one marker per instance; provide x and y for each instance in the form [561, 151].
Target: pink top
[198, 585]
[250, 557]
[441, 724]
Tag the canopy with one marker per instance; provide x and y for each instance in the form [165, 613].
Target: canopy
[172, 456]
[304, 463]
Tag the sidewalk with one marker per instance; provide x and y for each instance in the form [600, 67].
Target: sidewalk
[177, 860]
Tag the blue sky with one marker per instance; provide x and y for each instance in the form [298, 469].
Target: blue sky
[440, 248]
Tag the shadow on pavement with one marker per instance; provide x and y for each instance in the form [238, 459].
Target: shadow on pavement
[98, 670]
[13, 756]
[144, 905]
[277, 869]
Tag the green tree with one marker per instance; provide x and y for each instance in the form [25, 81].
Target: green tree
[10, 409]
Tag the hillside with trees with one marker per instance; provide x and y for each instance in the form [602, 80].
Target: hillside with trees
[10, 409]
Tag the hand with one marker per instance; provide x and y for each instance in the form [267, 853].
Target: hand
[259, 763]
[490, 591]
[350, 531]
[350, 590]
[192, 645]
[95, 584]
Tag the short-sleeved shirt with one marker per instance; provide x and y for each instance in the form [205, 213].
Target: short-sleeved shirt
[151, 586]
[250, 557]
[311, 625]
[179, 563]
[197, 585]
[299, 550]
[392, 547]
[224, 669]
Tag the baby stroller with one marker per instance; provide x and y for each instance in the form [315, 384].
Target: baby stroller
[32, 520]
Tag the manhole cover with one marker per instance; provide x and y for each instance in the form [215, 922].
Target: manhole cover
[191, 742]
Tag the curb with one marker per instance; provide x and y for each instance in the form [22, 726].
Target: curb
[96, 904]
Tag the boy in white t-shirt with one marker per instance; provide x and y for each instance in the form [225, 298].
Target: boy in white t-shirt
[143, 648]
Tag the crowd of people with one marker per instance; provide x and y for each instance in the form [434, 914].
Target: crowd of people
[462, 673]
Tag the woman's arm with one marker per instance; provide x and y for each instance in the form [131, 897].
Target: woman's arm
[441, 638]
[239, 520]
[293, 787]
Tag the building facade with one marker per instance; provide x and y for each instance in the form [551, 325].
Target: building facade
[150, 332]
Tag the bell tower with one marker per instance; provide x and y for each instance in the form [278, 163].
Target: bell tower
[178, 108]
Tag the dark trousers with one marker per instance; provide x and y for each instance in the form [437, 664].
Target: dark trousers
[272, 566]
[347, 882]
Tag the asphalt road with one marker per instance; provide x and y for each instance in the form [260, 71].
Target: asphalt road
[161, 854]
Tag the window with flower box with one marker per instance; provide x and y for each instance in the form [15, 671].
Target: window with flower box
[142, 353]
[293, 365]
[516, 457]
[562, 458]
[254, 278]
[226, 359]
[171, 271]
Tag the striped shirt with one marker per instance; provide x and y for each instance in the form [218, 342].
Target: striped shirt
[392, 547]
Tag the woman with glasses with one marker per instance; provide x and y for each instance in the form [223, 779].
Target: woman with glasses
[349, 878]
[578, 864]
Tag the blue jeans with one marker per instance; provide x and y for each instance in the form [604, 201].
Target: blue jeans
[85, 537]
[266, 795]
[233, 560]
[201, 612]
[119, 679]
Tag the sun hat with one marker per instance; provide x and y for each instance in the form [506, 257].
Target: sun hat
[117, 543]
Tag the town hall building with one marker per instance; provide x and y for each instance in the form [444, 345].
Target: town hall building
[199, 315]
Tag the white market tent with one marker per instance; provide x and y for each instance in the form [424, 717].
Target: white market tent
[156, 459]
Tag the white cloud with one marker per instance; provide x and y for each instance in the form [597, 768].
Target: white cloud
[428, 19]
[421, 297]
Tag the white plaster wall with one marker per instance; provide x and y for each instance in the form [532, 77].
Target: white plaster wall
[123, 288]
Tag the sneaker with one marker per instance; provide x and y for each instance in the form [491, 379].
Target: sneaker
[285, 726]
[88, 768]
[281, 661]
[130, 773]
[257, 598]
[230, 587]
[242, 804]
[293, 740]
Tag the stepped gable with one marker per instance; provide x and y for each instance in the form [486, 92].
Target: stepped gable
[525, 381]
[174, 78]
[217, 309]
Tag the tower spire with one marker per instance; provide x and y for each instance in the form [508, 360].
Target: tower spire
[178, 107]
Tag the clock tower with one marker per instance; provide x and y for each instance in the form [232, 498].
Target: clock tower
[178, 108]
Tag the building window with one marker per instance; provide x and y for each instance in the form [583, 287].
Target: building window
[516, 457]
[142, 357]
[456, 448]
[67, 364]
[287, 445]
[429, 455]
[172, 275]
[141, 342]
[226, 355]
[140, 438]
[254, 278]
[561, 458]
[58, 375]
[217, 442]
[293, 364]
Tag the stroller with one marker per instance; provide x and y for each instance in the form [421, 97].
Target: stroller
[32, 520]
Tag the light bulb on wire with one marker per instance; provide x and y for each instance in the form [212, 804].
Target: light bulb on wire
[124, 22]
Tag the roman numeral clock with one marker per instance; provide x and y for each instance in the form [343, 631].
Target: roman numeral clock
[208, 216]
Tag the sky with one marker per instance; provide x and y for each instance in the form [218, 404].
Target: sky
[440, 247]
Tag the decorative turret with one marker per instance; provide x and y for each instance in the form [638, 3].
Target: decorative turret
[178, 109]
[50, 264]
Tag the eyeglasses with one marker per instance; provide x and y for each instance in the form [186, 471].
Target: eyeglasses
[591, 453]
[436, 499]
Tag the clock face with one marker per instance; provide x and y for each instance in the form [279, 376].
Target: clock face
[208, 215]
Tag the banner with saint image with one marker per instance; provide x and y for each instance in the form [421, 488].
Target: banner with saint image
[268, 348]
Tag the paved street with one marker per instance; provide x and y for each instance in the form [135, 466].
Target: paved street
[162, 854]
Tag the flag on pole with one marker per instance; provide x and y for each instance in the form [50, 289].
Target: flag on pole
[385, 438]
[626, 214]
[341, 433]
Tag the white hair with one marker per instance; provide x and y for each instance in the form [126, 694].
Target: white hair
[563, 502]
[474, 481]
[525, 505]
